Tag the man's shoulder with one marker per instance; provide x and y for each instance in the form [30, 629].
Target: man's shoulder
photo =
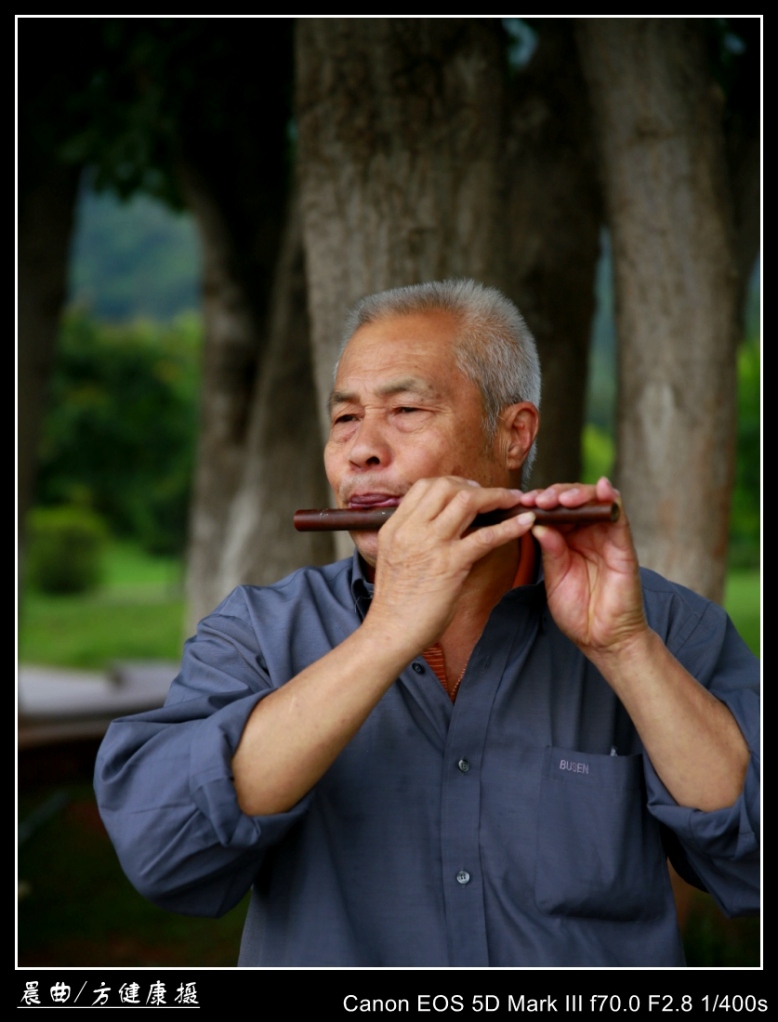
[676, 612]
[658, 588]
[313, 585]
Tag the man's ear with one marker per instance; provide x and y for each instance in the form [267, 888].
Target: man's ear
[519, 427]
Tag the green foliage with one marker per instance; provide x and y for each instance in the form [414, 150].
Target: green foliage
[121, 425]
[742, 601]
[66, 547]
[746, 518]
[155, 84]
[601, 386]
[598, 453]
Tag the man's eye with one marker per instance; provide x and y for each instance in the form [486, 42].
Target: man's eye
[344, 418]
[405, 409]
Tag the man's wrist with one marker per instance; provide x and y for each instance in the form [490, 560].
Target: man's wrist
[627, 657]
[386, 646]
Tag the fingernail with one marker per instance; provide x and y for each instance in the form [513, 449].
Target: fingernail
[527, 518]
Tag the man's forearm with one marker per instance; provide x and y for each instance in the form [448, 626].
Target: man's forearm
[294, 735]
[692, 739]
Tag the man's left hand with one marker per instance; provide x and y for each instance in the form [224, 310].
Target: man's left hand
[594, 594]
[591, 573]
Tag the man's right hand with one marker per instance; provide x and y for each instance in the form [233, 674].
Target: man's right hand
[426, 557]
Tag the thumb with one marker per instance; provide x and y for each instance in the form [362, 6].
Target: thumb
[551, 543]
[556, 554]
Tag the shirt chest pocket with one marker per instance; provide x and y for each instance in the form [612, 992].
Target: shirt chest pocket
[599, 851]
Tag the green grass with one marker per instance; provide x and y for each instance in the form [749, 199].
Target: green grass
[137, 614]
[742, 600]
[127, 566]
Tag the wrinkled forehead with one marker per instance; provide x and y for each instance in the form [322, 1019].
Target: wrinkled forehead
[390, 335]
[417, 352]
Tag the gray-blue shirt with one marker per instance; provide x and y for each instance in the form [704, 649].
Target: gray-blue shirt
[520, 826]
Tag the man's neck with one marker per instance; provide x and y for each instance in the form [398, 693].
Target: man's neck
[490, 579]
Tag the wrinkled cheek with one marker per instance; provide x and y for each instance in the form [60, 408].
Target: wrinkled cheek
[332, 469]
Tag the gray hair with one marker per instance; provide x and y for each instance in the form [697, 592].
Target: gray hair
[494, 347]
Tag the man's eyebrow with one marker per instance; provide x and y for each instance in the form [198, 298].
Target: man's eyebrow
[342, 397]
[407, 385]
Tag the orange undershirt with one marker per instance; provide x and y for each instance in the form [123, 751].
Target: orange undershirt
[525, 573]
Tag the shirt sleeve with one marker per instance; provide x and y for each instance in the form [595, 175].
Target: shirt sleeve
[720, 850]
[164, 778]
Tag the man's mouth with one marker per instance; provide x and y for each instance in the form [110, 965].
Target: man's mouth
[370, 500]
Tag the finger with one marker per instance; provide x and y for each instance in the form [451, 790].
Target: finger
[466, 503]
[605, 490]
[449, 503]
[566, 495]
[556, 552]
[426, 498]
[529, 497]
[480, 542]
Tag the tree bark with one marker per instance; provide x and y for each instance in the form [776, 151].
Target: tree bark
[400, 134]
[282, 468]
[233, 169]
[554, 213]
[48, 190]
[664, 174]
[742, 135]
[233, 338]
[46, 214]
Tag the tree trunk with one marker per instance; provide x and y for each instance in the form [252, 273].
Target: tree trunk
[400, 134]
[742, 136]
[232, 344]
[668, 204]
[48, 76]
[282, 468]
[46, 212]
[233, 168]
[554, 213]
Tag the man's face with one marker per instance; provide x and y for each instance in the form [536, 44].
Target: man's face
[401, 411]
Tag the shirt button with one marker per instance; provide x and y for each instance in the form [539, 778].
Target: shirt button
[463, 877]
[418, 668]
[463, 765]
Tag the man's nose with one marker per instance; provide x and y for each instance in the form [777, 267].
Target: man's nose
[370, 445]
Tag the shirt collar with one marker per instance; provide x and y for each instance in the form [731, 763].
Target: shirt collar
[362, 590]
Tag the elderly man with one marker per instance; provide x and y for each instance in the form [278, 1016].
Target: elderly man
[460, 747]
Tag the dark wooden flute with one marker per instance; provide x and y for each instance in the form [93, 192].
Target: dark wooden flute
[367, 519]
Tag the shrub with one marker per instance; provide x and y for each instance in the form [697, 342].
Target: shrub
[121, 425]
[65, 549]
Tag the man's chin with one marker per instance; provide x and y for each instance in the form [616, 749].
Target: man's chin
[367, 547]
